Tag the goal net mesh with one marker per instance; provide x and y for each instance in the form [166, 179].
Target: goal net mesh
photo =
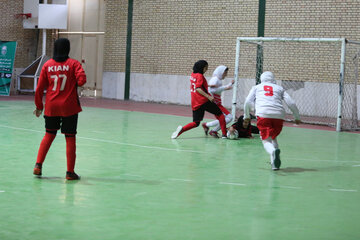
[310, 72]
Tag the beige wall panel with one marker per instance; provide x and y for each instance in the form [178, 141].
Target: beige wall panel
[76, 8]
[75, 47]
[100, 61]
[91, 17]
[90, 42]
[102, 9]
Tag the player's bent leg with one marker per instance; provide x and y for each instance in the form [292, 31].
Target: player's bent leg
[221, 119]
[216, 128]
[43, 150]
[268, 146]
[212, 123]
[228, 118]
[214, 109]
[274, 153]
[181, 129]
[275, 143]
[191, 125]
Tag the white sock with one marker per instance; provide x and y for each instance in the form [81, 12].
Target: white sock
[228, 118]
[268, 145]
[213, 123]
[275, 143]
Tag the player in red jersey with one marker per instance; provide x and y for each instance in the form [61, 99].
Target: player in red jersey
[201, 101]
[60, 77]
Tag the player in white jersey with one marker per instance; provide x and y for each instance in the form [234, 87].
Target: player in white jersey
[270, 113]
[215, 89]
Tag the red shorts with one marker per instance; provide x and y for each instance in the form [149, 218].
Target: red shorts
[269, 127]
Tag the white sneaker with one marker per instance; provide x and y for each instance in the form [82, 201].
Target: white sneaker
[176, 133]
[275, 160]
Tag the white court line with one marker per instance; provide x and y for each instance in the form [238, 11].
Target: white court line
[342, 190]
[113, 142]
[2, 191]
[140, 194]
[356, 165]
[315, 160]
[169, 149]
[24, 129]
[132, 175]
[97, 131]
[178, 179]
[141, 146]
[230, 183]
[290, 187]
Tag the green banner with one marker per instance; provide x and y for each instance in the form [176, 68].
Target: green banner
[7, 58]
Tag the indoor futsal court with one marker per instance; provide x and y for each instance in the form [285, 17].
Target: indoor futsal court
[137, 183]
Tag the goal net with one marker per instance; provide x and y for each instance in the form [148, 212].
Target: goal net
[320, 74]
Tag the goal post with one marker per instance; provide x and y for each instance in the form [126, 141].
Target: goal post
[319, 73]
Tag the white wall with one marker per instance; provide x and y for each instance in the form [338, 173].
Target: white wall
[312, 99]
[148, 87]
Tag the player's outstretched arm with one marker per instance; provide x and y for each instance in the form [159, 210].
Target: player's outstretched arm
[291, 104]
[230, 85]
[250, 99]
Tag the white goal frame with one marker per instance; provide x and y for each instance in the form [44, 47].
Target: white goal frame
[259, 40]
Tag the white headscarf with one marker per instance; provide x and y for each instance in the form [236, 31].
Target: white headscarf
[219, 71]
[267, 77]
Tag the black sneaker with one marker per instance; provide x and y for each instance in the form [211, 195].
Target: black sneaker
[277, 162]
[37, 169]
[72, 176]
[214, 134]
[206, 129]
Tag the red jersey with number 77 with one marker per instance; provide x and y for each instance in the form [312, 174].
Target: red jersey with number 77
[197, 80]
[60, 80]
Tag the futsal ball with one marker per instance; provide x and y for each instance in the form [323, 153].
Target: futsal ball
[232, 136]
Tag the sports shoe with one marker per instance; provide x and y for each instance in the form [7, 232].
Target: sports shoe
[214, 134]
[206, 129]
[276, 162]
[176, 133]
[224, 136]
[37, 169]
[72, 176]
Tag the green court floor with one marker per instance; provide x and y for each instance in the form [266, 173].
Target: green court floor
[139, 184]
